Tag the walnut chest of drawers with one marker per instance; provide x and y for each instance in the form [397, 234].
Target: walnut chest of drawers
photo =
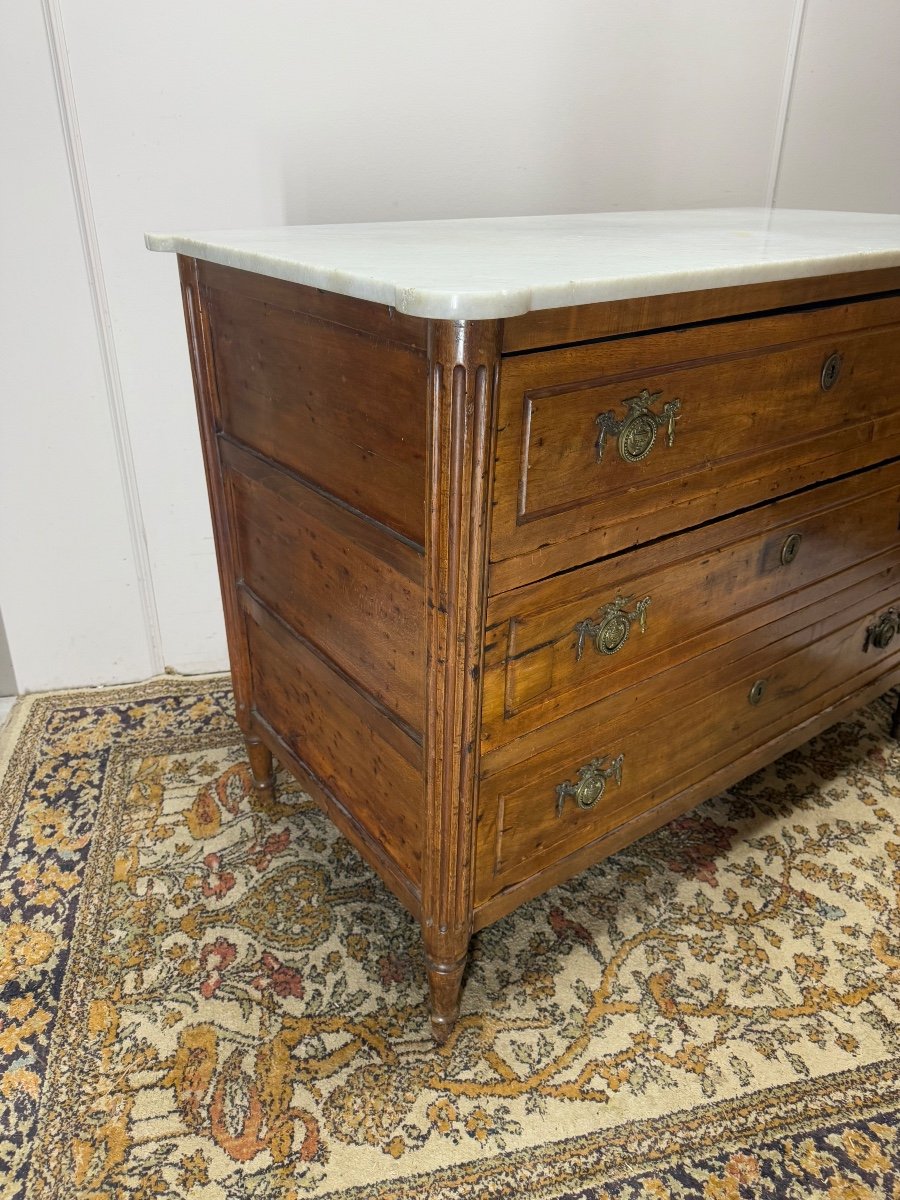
[513, 577]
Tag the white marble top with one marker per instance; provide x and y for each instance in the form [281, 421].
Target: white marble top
[501, 266]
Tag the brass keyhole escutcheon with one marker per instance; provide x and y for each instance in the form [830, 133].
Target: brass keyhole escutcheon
[608, 631]
[591, 782]
[757, 691]
[882, 633]
[636, 441]
[791, 548]
[885, 635]
[636, 431]
[830, 371]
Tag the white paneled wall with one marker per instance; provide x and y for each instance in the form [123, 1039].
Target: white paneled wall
[842, 146]
[221, 113]
[69, 586]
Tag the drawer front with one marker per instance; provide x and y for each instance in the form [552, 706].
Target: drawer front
[605, 446]
[636, 749]
[554, 646]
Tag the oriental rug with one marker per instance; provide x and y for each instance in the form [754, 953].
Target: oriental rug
[209, 997]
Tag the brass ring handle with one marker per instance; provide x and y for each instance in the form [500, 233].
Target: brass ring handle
[881, 633]
[591, 782]
[791, 548]
[831, 369]
[637, 430]
[610, 628]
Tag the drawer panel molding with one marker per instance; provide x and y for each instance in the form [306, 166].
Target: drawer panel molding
[528, 819]
[551, 648]
[605, 446]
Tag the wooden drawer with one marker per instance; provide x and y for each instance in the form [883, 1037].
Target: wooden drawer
[603, 446]
[658, 738]
[554, 646]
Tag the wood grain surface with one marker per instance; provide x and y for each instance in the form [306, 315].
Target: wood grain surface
[670, 736]
[705, 589]
[355, 749]
[342, 407]
[754, 423]
[341, 581]
[583, 322]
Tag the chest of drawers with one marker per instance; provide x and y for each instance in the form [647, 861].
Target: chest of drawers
[515, 572]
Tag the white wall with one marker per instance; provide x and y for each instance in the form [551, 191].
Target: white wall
[221, 113]
[842, 148]
[69, 588]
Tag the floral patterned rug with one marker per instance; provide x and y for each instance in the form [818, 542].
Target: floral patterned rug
[203, 996]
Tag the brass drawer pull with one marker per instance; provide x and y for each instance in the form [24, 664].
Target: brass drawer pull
[637, 431]
[757, 691]
[610, 628]
[831, 369]
[882, 632]
[791, 548]
[591, 782]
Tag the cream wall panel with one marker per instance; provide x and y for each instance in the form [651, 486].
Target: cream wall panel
[68, 586]
[842, 143]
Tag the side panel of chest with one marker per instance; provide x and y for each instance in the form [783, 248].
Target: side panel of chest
[313, 414]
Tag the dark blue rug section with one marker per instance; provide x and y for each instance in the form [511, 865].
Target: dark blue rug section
[853, 1160]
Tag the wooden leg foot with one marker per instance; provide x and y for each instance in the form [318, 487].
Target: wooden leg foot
[444, 988]
[895, 723]
[261, 768]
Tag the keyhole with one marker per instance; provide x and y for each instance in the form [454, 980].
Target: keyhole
[830, 371]
[757, 691]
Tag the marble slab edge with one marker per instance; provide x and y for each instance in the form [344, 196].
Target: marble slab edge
[474, 305]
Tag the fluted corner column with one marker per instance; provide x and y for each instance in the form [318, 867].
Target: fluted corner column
[464, 360]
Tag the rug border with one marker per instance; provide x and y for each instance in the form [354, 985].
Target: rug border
[584, 1161]
[23, 715]
[72, 1002]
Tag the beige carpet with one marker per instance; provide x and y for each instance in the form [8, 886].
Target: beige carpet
[202, 997]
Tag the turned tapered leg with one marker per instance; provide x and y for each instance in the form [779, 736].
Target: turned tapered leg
[895, 723]
[444, 988]
[261, 767]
